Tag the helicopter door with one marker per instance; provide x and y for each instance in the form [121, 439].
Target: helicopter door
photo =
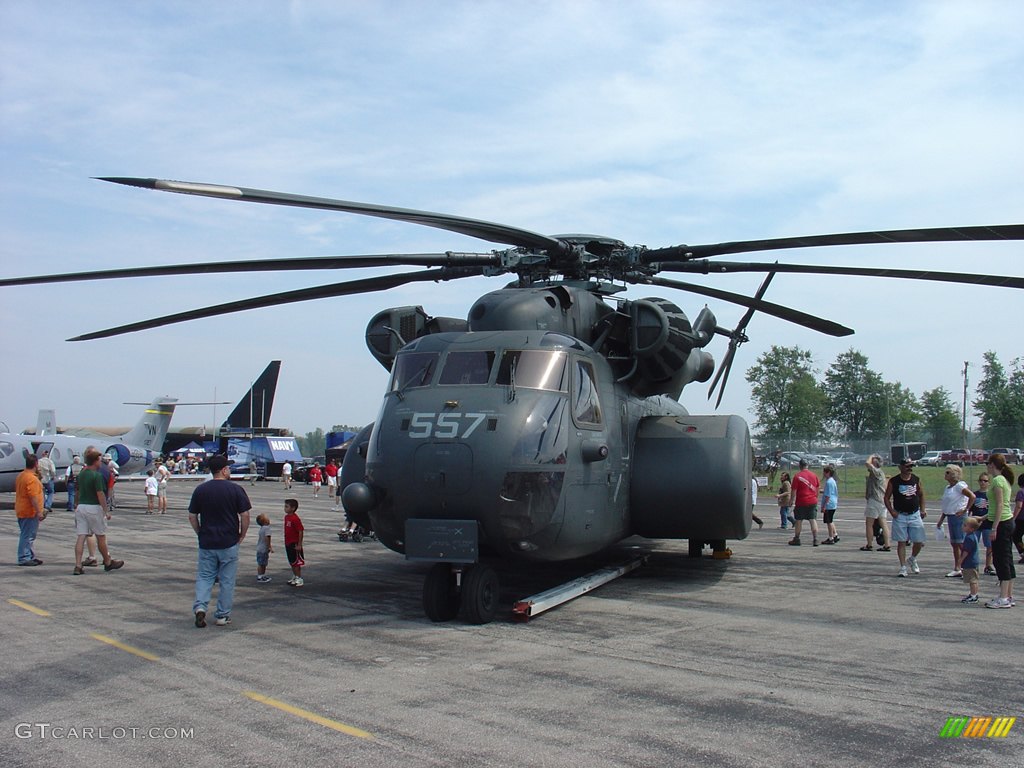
[586, 519]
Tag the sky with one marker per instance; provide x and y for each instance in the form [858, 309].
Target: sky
[657, 123]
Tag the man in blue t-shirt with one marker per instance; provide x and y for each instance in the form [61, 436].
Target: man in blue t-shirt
[219, 514]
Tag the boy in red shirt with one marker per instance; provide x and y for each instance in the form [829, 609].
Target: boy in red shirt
[293, 531]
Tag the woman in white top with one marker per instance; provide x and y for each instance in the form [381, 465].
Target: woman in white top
[956, 500]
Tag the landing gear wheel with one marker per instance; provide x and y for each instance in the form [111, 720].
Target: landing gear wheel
[695, 547]
[480, 591]
[440, 597]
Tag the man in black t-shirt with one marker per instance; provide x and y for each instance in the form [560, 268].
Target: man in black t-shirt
[219, 514]
[904, 498]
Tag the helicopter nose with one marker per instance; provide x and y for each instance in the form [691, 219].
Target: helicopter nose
[359, 498]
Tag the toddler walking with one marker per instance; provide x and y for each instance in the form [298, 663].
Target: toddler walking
[969, 559]
[263, 548]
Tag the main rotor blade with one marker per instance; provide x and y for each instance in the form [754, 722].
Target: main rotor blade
[936, 235]
[367, 285]
[710, 267]
[485, 230]
[448, 259]
[785, 313]
[735, 340]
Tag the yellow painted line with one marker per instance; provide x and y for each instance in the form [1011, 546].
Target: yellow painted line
[311, 716]
[130, 649]
[29, 608]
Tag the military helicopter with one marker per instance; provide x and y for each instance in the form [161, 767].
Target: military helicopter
[545, 425]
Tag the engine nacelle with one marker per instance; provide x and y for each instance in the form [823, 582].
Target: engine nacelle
[667, 348]
[691, 478]
[119, 453]
[391, 329]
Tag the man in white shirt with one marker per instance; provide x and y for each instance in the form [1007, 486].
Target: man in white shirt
[286, 475]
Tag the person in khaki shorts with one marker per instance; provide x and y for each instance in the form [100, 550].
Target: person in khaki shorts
[92, 512]
[874, 504]
[969, 561]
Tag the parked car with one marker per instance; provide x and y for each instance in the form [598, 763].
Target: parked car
[1012, 454]
[931, 459]
[791, 459]
[963, 457]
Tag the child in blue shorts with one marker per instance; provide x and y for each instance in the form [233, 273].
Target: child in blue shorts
[970, 560]
[263, 548]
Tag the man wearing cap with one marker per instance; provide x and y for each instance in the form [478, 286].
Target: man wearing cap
[219, 514]
[804, 500]
[904, 498]
[874, 506]
[48, 474]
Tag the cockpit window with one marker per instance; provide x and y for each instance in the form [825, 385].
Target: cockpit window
[585, 403]
[467, 368]
[6, 449]
[533, 369]
[413, 369]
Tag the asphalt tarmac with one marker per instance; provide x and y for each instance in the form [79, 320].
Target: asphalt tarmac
[779, 656]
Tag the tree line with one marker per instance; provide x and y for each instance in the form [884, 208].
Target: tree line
[852, 404]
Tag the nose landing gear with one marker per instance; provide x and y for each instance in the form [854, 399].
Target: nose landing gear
[470, 592]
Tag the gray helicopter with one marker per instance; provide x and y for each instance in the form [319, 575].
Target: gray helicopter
[545, 425]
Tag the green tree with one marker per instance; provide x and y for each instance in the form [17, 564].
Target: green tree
[855, 396]
[903, 409]
[313, 444]
[999, 401]
[939, 416]
[787, 399]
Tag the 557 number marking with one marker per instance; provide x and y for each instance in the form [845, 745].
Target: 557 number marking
[444, 425]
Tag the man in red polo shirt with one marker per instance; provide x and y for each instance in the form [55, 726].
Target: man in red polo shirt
[804, 500]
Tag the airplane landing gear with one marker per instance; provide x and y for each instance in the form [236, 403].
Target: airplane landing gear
[440, 593]
[470, 592]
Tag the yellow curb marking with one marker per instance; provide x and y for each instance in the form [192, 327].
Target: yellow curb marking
[311, 716]
[29, 608]
[123, 647]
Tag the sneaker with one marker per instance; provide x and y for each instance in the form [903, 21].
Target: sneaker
[885, 549]
[37, 561]
[990, 571]
[835, 539]
[914, 567]
[28, 562]
[291, 581]
[999, 602]
[90, 562]
[829, 541]
[200, 619]
[970, 599]
[79, 570]
[263, 579]
[954, 574]
[298, 582]
[223, 621]
[814, 542]
[113, 565]
[794, 542]
[903, 571]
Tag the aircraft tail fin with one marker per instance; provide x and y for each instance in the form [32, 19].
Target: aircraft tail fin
[150, 430]
[46, 423]
[253, 410]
